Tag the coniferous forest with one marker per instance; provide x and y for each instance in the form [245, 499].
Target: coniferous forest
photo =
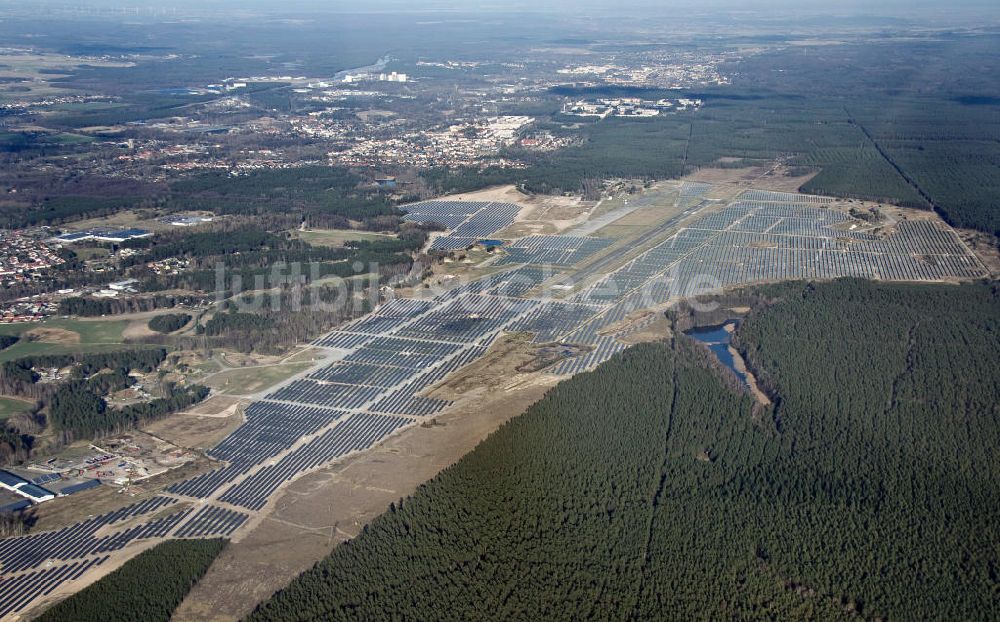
[650, 489]
[145, 589]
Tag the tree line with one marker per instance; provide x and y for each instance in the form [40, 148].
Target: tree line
[169, 322]
[146, 588]
[651, 489]
[95, 307]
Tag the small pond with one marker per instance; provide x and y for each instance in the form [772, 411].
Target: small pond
[717, 339]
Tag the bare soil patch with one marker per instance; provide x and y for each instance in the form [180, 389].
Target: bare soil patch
[985, 246]
[137, 329]
[64, 511]
[712, 175]
[540, 214]
[196, 431]
[215, 406]
[741, 367]
[654, 331]
[45, 334]
[323, 509]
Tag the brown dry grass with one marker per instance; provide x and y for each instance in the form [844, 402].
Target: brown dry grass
[44, 334]
[195, 431]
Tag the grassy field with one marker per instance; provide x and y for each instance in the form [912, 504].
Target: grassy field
[10, 407]
[63, 336]
[92, 252]
[253, 379]
[336, 237]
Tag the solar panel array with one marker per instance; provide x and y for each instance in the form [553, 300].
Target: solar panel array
[784, 197]
[405, 347]
[270, 428]
[552, 319]
[770, 236]
[212, 522]
[359, 431]
[19, 591]
[394, 354]
[468, 318]
[469, 221]
[694, 189]
[385, 318]
[328, 394]
[512, 283]
[604, 348]
[36, 564]
[552, 250]
[489, 220]
[447, 213]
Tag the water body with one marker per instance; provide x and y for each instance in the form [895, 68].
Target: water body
[378, 66]
[717, 338]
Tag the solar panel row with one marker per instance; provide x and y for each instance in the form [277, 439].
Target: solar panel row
[18, 591]
[269, 429]
[358, 431]
[76, 541]
[552, 319]
[552, 250]
[212, 521]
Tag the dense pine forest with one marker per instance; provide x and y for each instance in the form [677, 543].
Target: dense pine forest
[650, 489]
[169, 322]
[145, 589]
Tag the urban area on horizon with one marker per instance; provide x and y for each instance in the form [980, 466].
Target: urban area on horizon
[432, 312]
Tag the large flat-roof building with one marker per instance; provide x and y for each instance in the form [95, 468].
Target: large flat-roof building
[17, 484]
[104, 234]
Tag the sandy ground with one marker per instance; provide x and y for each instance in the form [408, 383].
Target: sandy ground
[540, 214]
[741, 367]
[321, 510]
[215, 406]
[138, 329]
[985, 246]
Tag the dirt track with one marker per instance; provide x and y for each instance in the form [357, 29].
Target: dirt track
[323, 509]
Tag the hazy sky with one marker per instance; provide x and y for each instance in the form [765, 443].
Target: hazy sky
[935, 14]
[837, 6]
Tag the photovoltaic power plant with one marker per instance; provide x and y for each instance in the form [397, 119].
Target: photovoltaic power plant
[468, 221]
[553, 250]
[381, 366]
